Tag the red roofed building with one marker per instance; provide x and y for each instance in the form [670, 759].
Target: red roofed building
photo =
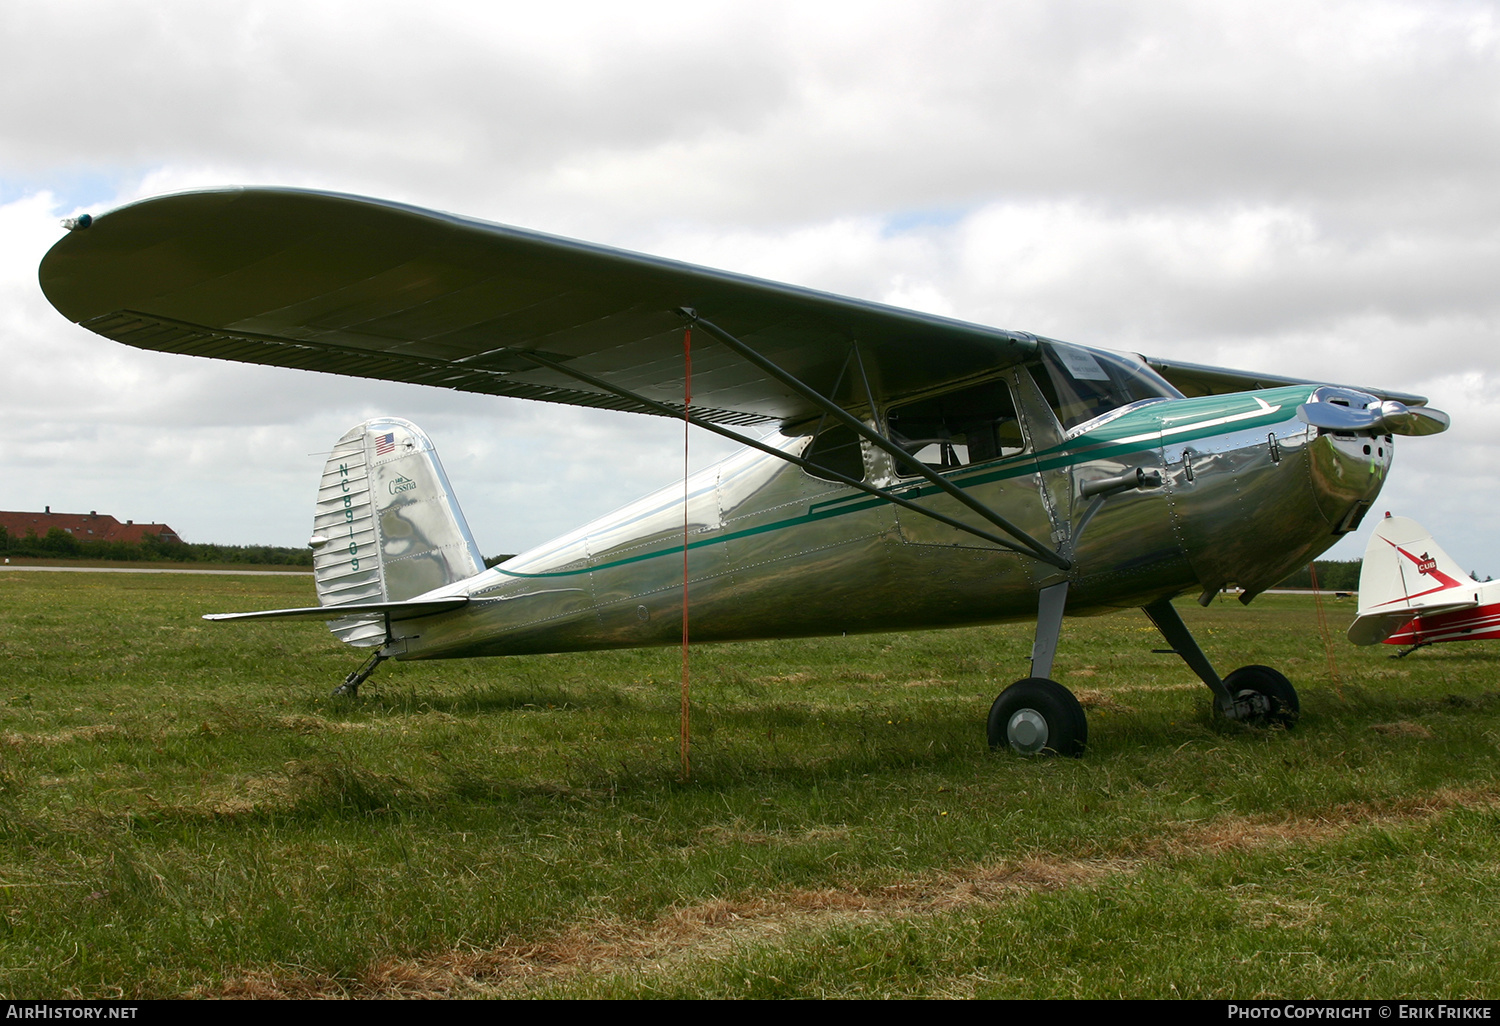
[90, 526]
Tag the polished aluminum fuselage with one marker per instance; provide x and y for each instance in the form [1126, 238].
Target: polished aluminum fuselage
[1248, 493]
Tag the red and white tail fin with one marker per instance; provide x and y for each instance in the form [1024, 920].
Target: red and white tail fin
[1405, 574]
[388, 527]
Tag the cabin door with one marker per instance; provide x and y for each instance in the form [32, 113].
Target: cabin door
[977, 437]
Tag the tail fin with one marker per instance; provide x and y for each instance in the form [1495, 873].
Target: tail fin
[1405, 573]
[387, 527]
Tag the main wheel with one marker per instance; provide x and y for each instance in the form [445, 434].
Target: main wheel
[1271, 696]
[1037, 716]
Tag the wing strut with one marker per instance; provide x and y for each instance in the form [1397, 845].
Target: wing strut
[1028, 545]
[771, 450]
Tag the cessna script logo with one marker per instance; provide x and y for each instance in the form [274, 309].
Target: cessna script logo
[406, 484]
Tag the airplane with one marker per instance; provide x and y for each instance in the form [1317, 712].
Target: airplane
[923, 472]
[1412, 593]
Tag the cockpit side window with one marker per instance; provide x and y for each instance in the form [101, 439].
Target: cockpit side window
[956, 429]
[1082, 384]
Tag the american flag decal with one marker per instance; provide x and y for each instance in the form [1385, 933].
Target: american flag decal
[385, 444]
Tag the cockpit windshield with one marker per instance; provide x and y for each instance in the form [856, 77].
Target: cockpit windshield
[1083, 384]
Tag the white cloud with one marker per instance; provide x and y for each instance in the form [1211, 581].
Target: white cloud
[1293, 187]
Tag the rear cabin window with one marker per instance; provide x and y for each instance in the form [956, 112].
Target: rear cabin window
[836, 448]
[956, 429]
[1082, 384]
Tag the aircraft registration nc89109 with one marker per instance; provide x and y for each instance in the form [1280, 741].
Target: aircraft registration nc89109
[927, 472]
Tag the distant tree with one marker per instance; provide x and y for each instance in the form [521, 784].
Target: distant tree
[155, 547]
[60, 542]
[1333, 575]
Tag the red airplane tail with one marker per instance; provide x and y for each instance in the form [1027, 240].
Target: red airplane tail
[1406, 577]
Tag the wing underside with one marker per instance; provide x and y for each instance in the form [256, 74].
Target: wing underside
[372, 289]
[362, 287]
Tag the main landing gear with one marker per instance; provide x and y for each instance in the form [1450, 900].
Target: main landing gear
[1037, 716]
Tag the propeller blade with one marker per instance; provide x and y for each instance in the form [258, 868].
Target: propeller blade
[1400, 419]
[1348, 412]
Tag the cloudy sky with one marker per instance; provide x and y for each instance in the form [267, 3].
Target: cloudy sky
[1302, 188]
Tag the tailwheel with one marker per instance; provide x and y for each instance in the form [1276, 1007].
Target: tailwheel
[1037, 716]
[1263, 696]
[350, 687]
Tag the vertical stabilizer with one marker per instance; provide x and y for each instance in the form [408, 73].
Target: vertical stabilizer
[1405, 573]
[387, 526]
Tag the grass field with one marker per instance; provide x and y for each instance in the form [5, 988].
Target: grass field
[185, 811]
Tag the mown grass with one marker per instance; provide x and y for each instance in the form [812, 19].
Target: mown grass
[185, 810]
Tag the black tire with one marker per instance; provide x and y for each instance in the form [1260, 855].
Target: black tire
[1248, 681]
[1037, 716]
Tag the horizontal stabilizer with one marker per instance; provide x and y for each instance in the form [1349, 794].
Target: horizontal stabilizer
[1374, 628]
[395, 610]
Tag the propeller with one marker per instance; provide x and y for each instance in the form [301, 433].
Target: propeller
[1349, 412]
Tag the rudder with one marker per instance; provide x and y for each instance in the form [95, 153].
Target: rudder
[387, 526]
[1404, 573]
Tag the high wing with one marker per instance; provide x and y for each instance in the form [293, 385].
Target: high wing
[361, 287]
[348, 285]
[1194, 379]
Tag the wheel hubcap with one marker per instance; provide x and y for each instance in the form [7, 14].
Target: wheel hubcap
[1253, 705]
[1027, 731]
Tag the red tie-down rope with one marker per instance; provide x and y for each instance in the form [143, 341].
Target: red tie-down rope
[687, 399]
[1333, 670]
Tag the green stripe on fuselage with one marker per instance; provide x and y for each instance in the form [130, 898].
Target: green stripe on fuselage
[1182, 420]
